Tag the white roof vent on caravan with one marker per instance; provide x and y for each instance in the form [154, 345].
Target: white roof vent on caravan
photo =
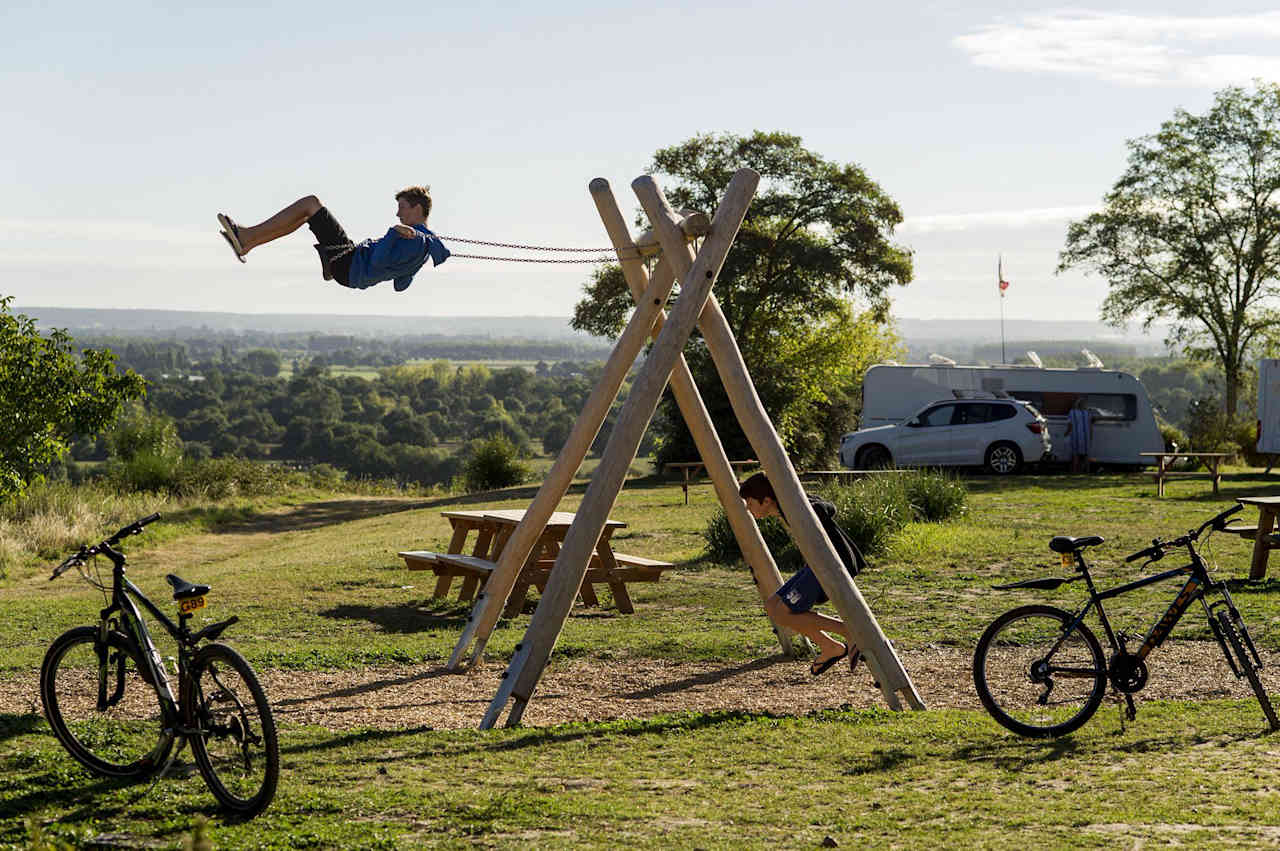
[941, 360]
[1035, 359]
[1095, 362]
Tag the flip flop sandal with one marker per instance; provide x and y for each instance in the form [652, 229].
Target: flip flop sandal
[232, 235]
[815, 668]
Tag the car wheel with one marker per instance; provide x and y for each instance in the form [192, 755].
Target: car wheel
[1003, 459]
[874, 458]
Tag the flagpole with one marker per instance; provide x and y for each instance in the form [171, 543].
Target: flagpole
[1000, 285]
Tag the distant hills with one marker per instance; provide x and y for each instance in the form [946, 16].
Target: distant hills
[957, 338]
[187, 323]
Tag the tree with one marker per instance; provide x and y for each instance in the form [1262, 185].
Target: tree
[264, 362]
[815, 239]
[1189, 233]
[48, 395]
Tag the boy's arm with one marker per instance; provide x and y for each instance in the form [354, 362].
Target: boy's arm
[406, 231]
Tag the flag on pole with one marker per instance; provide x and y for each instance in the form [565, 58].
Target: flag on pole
[1004, 285]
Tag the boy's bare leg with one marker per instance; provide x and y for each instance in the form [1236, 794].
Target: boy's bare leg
[281, 224]
[812, 625]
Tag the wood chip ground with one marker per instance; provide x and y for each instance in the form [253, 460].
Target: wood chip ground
[583, 690]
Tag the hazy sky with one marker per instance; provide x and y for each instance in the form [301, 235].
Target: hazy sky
[127, 126]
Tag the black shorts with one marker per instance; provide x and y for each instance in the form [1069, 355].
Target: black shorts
[334, 245]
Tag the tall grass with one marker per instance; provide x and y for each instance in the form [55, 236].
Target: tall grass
[49, 519]
[870, 510]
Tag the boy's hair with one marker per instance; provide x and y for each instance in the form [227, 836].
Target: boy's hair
[757, 487]
[420, 195]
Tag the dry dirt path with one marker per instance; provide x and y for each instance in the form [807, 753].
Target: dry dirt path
[581, 690]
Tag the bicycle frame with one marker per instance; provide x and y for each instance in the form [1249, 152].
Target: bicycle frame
[123, 595]
[1198, 583]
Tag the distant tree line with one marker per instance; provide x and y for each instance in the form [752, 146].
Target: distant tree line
[411, 423]
[155, 357]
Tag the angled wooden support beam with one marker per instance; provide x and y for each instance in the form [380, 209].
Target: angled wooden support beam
[710, 450]
[525, 670]
[808, 533]
[490, 604]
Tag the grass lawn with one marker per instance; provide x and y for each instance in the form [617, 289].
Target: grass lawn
[318, 588]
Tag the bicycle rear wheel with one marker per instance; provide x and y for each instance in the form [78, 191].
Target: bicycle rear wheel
[236, 750]
[1034, 676]
[1244, 665]
[124, 736]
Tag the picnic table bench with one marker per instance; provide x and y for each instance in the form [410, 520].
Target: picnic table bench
[690, 468]
[1264, 541]
[1165, 460]
[845, 475]
[493, 529]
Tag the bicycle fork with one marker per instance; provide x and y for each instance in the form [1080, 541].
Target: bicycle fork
[1241, 629]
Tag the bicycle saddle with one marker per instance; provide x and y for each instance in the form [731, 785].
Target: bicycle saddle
[1064, 544]
[182, 589]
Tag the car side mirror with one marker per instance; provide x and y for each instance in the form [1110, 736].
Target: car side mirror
[913, 423]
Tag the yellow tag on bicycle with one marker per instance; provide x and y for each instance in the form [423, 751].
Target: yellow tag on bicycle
[1067, 561]
[190, 605]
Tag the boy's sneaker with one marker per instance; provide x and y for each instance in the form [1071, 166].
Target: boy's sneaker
[231, 233]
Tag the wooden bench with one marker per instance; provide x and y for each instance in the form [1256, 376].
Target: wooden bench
[476, 570]
[845, 475]
[689, 468]
[1250, 533]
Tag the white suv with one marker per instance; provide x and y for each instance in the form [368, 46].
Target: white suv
[999, 434]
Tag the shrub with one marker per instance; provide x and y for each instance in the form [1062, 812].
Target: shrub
[494, 464]
[870, 510]
[146, 471]
[935, 496]
[1174, 438]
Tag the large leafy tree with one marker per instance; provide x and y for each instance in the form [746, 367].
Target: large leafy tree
[815, 241]
[48, 395]
[1190, 233]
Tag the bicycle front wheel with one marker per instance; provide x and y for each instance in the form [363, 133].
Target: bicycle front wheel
[236, 749]
[100, 706]
[1246, 667]
[1035, 676]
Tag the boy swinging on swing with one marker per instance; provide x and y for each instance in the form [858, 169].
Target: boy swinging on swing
[396, 257]
[792, 605]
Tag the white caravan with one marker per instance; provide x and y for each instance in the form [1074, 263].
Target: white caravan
[1124, 423]
[1269, 407]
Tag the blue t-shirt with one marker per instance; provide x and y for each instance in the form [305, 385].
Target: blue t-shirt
[394, 258]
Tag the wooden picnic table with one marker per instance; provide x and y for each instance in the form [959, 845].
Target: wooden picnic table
[1164, 463]
[1263, 539]
[493, 529]
[689, 468]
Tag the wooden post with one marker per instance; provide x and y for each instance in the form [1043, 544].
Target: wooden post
[754, 550]
[522, 675]
[808, 533]
[484, 615]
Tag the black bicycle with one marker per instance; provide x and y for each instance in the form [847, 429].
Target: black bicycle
[1040, 670]
[109, 697]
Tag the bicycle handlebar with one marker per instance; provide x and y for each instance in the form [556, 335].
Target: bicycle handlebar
[1156, 551]
[85, 553]
[134, 528]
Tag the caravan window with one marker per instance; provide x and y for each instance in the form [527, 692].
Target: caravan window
[1106, 407]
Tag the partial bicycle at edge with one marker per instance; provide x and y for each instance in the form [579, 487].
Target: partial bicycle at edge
[1040, 671]
[109, 696]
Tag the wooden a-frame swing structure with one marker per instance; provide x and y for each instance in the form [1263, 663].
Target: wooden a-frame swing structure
[670, 235]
